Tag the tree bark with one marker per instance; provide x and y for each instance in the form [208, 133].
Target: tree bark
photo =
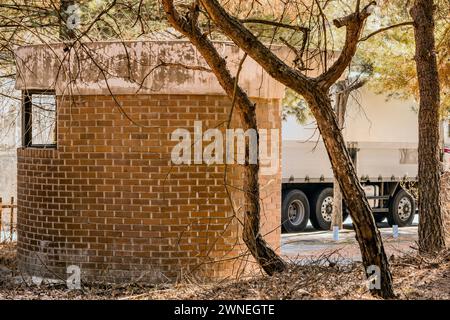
[343, 90]
[431, 228]
[263, 254]
[445, 203]
[341, 97]
[315, 91]
[337, 219]
[367, 234]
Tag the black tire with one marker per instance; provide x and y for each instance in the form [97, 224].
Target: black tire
[296, 219]
[321, 216]
[379, 217]
[402, 209]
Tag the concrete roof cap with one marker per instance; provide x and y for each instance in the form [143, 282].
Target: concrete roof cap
[137, 67]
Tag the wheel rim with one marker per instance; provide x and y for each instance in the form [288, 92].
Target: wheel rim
[326, 208]
[404, 209]
[296, 212]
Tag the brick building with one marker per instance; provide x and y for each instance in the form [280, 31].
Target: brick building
[98, 188]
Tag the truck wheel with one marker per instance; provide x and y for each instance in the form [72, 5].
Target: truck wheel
[295, 212]
[323, 204]
[402, 209]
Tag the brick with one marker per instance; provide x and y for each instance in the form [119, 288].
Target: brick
[109, 200]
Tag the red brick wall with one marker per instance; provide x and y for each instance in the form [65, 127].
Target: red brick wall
[109, 200]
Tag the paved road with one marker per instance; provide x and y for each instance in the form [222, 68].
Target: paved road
[312, 243]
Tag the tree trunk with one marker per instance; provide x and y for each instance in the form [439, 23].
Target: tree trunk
[337, 219]
[445, 203]
[367, 234]
[431, 229]
[340, 108]
[262, 253]
[267, 258]
[315, 91]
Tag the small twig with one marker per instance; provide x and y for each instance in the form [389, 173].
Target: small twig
[275, 24]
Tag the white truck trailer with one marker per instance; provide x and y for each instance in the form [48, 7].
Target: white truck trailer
[382, 137]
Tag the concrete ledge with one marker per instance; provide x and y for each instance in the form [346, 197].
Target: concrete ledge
[134, 67]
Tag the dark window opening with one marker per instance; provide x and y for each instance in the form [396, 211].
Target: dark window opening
[39, 119]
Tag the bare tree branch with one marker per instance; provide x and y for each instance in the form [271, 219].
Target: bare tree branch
[354, 24]
[402, 24]
[251, 44]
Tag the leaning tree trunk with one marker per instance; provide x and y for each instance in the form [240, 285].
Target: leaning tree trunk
[431, 229]
[367, 234]
[265, 256]
[337, 219]
[315, 92]
[344, 89]
[445, 204]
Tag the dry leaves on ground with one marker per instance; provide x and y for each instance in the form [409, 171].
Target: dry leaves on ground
[325, 277]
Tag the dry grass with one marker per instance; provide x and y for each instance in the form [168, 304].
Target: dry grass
[415, 277]
[324, 277]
